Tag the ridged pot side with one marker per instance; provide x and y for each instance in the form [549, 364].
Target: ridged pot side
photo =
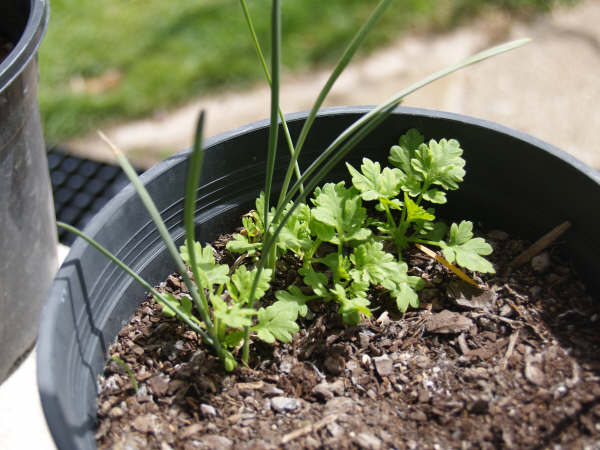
[510, 184]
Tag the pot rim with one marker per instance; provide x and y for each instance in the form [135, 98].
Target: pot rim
[28, 43]
[212, 143]
[48, 381]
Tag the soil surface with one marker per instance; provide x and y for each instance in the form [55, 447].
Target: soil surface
[514, 366]
[5, 48]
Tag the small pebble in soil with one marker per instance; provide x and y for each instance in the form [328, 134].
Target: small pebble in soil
[368, 441]
[515, 366]
[208, 410]
[285, 366]
[213, 441]
[383, 365]
[326, 391]
[284, 404]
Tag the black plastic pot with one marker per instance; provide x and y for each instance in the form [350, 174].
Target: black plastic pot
[27, 231]
[513, 182]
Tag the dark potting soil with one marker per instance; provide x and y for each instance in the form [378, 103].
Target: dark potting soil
[5, 48]
[515, 366]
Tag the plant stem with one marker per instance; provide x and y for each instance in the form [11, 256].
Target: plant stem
[165, 235]
[388, 213]
[195, 164]
[267, 256]
[286, 131]
[274, 126]
[308, 255]
[423, 241]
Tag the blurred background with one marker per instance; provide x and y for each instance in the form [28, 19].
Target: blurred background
[142, 69]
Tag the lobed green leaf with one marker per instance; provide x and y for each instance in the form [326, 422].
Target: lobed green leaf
[374, 183]
[277, 321]
[240, 283]
[234, 315]
[415, 212]
[341, 209]
[294, 296]
[466, 250]
[210, 272]
[316, 280]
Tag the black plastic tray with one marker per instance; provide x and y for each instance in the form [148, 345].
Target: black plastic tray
[81, 187]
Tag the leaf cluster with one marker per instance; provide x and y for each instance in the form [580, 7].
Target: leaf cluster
[229, 299]
[343, 248]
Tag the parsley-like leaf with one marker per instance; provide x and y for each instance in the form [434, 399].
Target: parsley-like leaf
[466, 250]
[341, 209]
[277, 321]
[240, 284]
[405, 296]
[316, 280]
[210, 272]
[249, 222]
[415, 212]
[295, 297]
[295, 235]
[401, 156]
[339, 265]
[234, 338]
[440, 163]
[426, 165]
[372, 264]
[350, 308]
[374, 183]
[235, 315]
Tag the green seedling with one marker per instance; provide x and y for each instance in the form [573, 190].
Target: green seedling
[128, 370]
[356, 260]
[229, 306]
[423, 172]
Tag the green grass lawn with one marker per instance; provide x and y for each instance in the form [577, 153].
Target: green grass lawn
[105, 61]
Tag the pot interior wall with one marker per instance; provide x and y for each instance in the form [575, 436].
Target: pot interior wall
[14, 16]
[513, 182]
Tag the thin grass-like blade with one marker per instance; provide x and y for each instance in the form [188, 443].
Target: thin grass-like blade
[286, 131]
[194, 326]
[337, 71]
[393, 102]
[195, 163]
[155, 216]
[274, 127]
[267, 257]
[350, 137]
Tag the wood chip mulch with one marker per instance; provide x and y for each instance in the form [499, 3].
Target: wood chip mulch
[515, 366]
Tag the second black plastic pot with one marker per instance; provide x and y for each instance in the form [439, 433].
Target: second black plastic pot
[513, 182]
[28, 258]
